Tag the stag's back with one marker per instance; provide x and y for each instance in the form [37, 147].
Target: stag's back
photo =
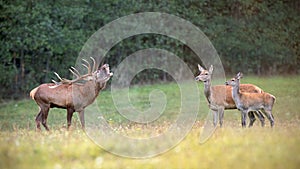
[52, 95]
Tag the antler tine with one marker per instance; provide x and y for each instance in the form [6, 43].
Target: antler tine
[58, 76]
[55, 82]
[88, 67]
[94, 64]
[77, 76]
[75, 71]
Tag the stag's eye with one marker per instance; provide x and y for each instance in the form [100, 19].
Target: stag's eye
[206, 73]
[232, 80]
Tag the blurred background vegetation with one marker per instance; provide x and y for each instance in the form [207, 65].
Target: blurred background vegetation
[39, 37]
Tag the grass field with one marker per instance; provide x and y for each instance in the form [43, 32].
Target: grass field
[229, 147]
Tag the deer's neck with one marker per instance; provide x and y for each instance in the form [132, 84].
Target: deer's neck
[236, 94]
[92, 89]
[99, 87]
[207, 90]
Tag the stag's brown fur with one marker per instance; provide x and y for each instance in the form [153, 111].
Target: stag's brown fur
[73, 97]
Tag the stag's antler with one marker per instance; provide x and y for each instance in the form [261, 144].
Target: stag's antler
[88, 66]
[94, 64]
[75, 72]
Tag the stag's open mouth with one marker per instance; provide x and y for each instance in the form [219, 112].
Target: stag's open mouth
[106, 67]
[104, 73]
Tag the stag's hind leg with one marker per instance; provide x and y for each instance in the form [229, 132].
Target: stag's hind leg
[42, 118]
[38, 120]
[45, 116]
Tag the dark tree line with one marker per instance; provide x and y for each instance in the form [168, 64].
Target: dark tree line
[39, 37]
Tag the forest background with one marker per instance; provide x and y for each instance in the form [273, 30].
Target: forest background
[39, 37]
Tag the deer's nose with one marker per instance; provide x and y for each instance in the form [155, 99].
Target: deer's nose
[197, 78]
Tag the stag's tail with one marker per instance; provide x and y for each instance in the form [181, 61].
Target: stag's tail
[32, 92]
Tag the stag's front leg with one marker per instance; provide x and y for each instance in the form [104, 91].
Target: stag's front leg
[81, 116]
[70, 112]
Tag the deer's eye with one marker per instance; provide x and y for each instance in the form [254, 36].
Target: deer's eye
[232, 80]
[206, 73]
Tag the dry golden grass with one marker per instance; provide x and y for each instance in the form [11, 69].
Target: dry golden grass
[229, 147]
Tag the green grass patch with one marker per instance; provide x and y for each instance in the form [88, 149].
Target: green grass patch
[229, 147]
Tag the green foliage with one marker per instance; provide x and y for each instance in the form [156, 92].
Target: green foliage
[39, 37]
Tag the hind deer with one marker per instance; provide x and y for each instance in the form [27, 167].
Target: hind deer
[247, 102]
[73, 95]
[219, 97]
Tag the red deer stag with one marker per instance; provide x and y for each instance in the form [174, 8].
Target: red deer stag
[219, 96]
[73, 95]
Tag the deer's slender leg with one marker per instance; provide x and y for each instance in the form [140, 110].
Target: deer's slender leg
[45, 116]
[70, 112]
[251, 118]
[215, 116]
[221, 116]
[244, 116]
[81, 116]
[38, 120]
[260, 117]
[270, 117]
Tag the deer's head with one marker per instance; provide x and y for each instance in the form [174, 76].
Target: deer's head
[103, 74]
[234, 81]
[205, 75]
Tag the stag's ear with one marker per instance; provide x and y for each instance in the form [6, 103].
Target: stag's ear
[211, 68]
[239, 75]
[200, 68]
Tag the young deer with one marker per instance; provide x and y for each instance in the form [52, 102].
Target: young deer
[247, 102]
[219, 97]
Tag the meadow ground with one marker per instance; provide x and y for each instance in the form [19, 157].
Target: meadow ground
[229, 147]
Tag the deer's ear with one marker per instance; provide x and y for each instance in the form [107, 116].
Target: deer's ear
[211, 68]
[239, 75]
[200, 68]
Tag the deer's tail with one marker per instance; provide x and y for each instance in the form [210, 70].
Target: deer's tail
[32, 92]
